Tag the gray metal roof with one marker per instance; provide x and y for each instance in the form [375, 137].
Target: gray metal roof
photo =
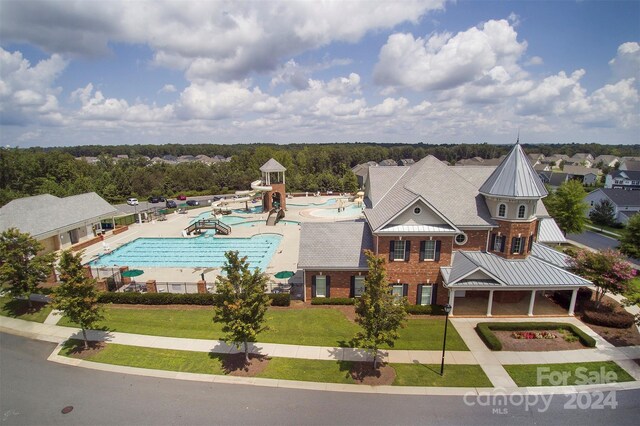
[413, 228]
[529, 272]
[514, 177]
[549, 232]
[550, 255]
[338, 245]
[442, 188]
[45, 214]
[272, 166]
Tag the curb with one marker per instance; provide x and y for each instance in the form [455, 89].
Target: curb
[334, 387]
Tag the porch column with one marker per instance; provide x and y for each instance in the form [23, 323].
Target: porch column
[490, 303]
[572, 304]
[452, 296]
[531, 302]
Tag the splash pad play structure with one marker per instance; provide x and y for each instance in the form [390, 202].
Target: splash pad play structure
[270, 189]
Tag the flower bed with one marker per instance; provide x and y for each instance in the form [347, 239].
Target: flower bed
[529, 335]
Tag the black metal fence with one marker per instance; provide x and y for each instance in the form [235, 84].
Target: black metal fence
[111, 275]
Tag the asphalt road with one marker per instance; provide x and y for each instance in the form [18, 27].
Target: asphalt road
[594, 240]
[33, 391]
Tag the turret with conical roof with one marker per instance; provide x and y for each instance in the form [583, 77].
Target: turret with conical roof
[273, 176]
[512, 193]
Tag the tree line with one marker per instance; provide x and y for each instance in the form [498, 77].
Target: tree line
[310, 167]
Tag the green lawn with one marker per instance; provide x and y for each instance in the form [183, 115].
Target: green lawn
[572, 373]
[634, 289]
[455, 375]
[279, 368]
[314, 327]
[19, 309]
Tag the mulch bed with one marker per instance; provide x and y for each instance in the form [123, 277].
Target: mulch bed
[236, 365]
[617, 336]
[364, 374]
[81, 353]
[509, 343]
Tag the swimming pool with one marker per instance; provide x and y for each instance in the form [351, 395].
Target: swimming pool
[252, 210]
[262, 222]
[198, 252]
[349, 211]
[301, 203]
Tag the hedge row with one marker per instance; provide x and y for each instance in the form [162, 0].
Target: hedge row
[333, 301]
[283, 299]
[484, 330]
[615, 319]
[563, 298]
[424, 310]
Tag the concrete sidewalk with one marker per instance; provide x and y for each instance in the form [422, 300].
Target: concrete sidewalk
[479, 354]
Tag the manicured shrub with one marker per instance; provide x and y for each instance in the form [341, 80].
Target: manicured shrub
[615, 319]
[333, 301]
[280, 299]
[424, 310]
[206, 299]
[484, 330]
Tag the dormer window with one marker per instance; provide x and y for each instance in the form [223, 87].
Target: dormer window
[522, 211]
[502, 210]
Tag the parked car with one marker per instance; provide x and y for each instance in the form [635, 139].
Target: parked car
[217, 198]
[171, 204]
[154, 199]
[162, 199]
[132, 201]
[193, 203]
[181, 197]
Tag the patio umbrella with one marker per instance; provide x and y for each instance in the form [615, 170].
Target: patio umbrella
[284, 274]
[132, 273]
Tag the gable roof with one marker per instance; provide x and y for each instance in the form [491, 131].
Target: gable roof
[337, 245]
[43, 214]
[632, 165]
[394, 189]
[579, 170]
[514, 177]
[627, 174]
[272, 166]
[619, 197]
[529, 272]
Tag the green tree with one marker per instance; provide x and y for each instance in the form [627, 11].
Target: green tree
[350, 182]
[568, 208]
[243, 302]
[378, 312]
[603, 213]
[630, 241]
[607, 270]
[22, 269]
[77, 295]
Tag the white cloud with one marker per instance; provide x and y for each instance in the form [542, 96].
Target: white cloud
[626, 64]
[168, 88]
[26, 92]
[443, 61]
[220, 40]
[535, 60]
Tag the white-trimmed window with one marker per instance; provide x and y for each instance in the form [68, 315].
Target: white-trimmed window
[522, 211]
[461, 239]
[429, 250]
[358, 286]
[502, 210]
[425, 294]
[397, 290]
[321, 286]
[497, 243]
[517, 246]
[399, 250]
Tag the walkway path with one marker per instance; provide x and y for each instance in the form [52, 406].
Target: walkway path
[491, 362]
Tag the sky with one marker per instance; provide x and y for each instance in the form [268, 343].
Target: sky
[432, 71]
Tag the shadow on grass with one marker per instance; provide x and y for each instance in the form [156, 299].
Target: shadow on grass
[428, 367]
[237, 365]
[75, 348]
[18, 307]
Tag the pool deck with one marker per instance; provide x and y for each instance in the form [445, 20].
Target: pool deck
[284, 259]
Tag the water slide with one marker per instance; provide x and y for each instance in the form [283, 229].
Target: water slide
[275, 218]
[256, 187]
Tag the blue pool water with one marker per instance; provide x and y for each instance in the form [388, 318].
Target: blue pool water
[262, 222]
[252, 210]
[349, 211]
[299, 202]
[199, 252]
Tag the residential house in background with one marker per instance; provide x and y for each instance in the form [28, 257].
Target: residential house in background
[625, 203]
[406, 162]
[606, 160]
[581, 159]
[362, 171]
[630, 165]
[555, 159]
[388, 162]
[586, 175]
[552, 178]
[535, 158]
[622, 179]
[467, 236]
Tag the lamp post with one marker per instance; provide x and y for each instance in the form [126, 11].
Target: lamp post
[447, 309]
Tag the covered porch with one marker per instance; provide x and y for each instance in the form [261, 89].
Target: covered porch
[509, 303]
